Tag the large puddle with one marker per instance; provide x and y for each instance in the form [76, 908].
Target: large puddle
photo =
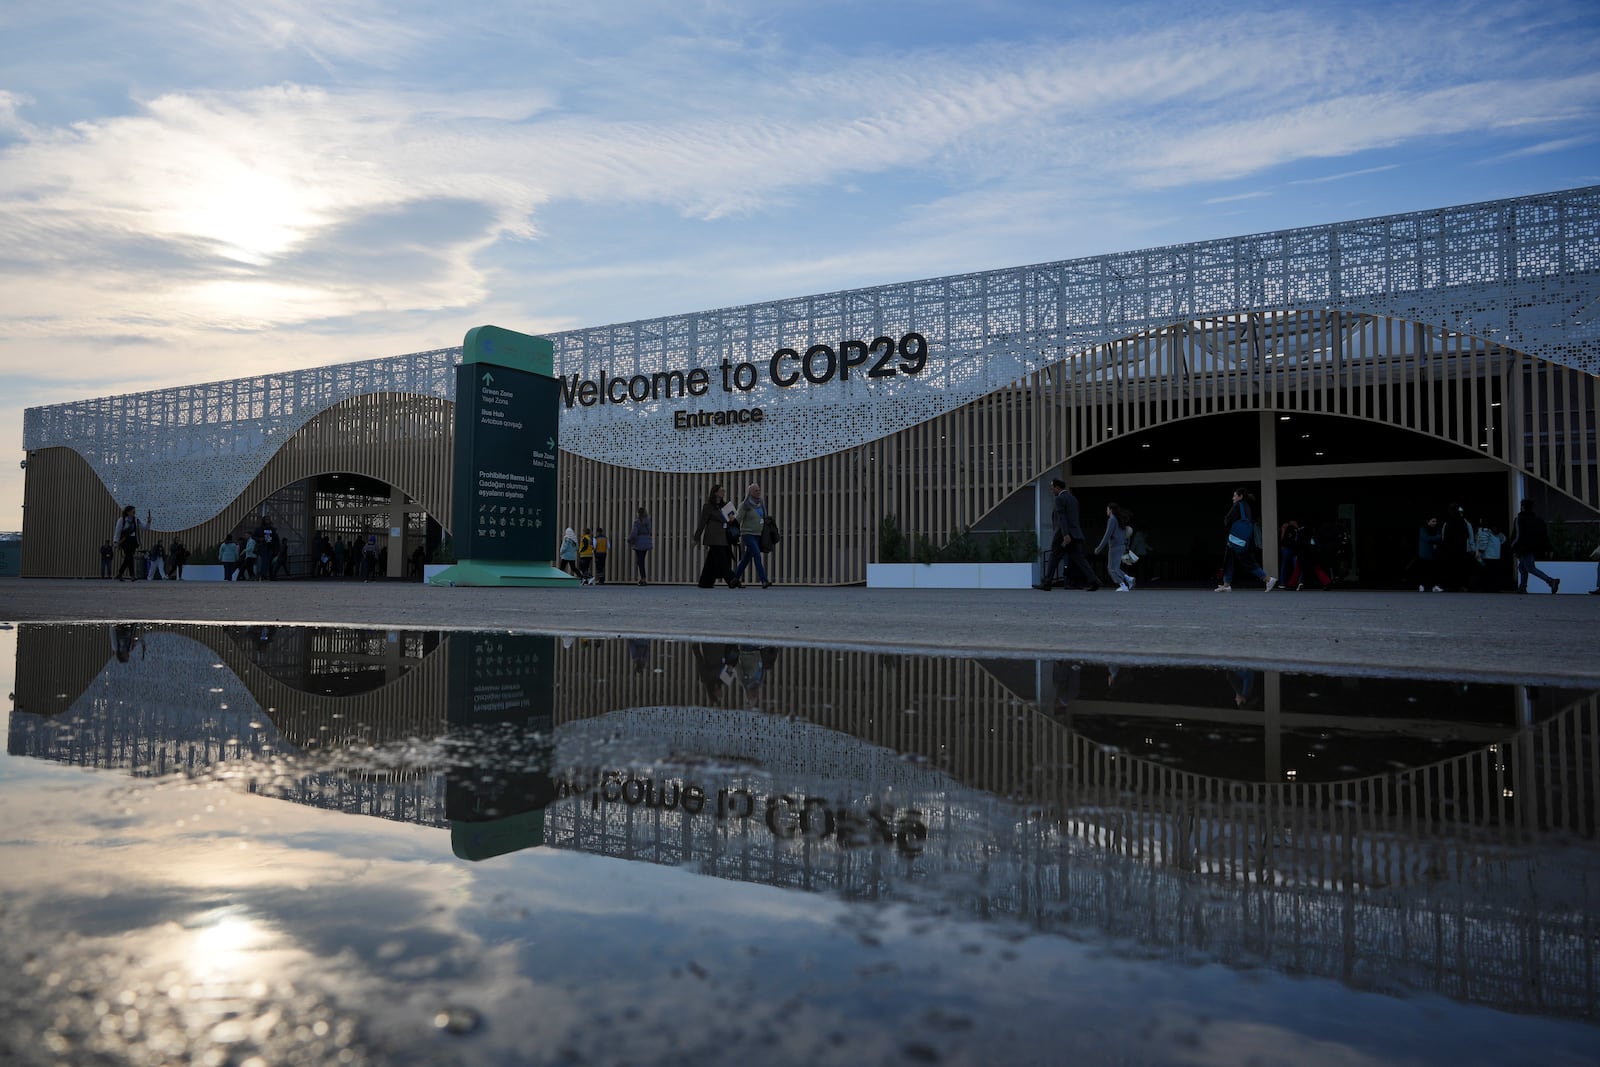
[252, 845]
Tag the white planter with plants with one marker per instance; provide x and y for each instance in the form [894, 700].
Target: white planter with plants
[1005, 561]
[949, 575]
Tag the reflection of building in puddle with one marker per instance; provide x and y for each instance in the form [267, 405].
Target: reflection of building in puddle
[975, 786]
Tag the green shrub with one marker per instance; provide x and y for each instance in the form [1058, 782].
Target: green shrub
[1002, 548]
[962, 548]
[925, 552]
[446, 552]
[891, 542]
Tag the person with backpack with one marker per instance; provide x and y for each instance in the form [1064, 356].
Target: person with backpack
[1529, 538]
[179, 556]
[586, 556]
[1241, 544]
[125, 535]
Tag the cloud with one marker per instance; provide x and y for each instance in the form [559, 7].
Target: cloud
[1560, 144]
[1346, 174]
[1256, 195]
[1361, 122]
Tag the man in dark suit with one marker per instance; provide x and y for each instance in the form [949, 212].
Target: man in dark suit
[1066, 540]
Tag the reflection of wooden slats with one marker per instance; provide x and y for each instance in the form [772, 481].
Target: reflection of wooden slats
[949, 472]
[1357, 832]
[57, 663]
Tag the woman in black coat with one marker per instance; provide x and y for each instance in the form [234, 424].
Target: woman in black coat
[711, 533]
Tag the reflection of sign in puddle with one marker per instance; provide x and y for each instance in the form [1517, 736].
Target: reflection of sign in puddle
[786, 817]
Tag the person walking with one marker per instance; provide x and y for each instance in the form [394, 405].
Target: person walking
[247, 562]
[1530, 537]
[107, 553]
[266, 551]
[1240, 546]
[179, 555]
[155, 563]
[369, 558]
[752, 519]
[125, 535]
[1428, 541]
[1307, 553]
[586, 556]
[1458, 550]
[1489, 544]
[602, 549]
[1115, 542]
[641, 540]
[280, 559]
[1066, 541]
[712, 532]
[228, 556]
[568, 552]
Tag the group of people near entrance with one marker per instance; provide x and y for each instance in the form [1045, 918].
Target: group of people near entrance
[257, 555]
[734, 537]
[1453, 557]
[585, 555]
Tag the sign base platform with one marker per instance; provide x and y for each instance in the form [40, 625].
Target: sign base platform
[486, 840]
[494, 572]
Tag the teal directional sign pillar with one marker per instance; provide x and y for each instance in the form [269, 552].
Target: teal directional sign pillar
[504, 525]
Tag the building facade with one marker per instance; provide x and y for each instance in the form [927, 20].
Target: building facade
[1346, 370]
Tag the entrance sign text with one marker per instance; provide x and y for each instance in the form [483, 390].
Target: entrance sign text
[882, 357]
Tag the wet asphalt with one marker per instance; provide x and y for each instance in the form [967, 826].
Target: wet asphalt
[1530, 638]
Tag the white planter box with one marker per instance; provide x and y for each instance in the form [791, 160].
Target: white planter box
[429, 570]
[949, 575]
[202, 572]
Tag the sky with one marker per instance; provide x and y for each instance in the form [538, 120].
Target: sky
[193, 191]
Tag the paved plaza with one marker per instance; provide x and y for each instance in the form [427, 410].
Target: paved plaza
[1530, 638]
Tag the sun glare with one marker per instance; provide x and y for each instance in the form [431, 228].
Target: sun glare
[224, 945]
[252, 215]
